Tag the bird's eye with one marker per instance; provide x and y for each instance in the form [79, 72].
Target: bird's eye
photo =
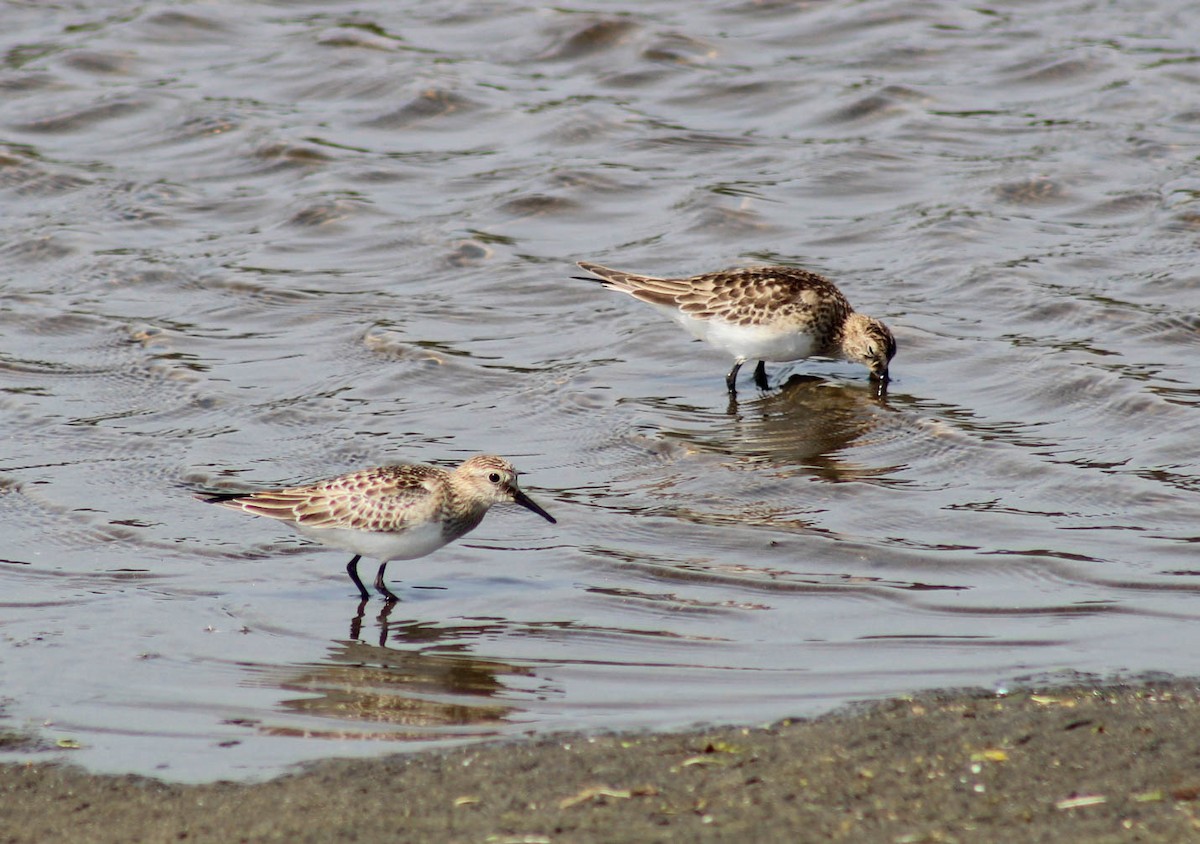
[494, 477]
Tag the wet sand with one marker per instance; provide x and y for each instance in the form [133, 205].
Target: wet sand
[1085, 763]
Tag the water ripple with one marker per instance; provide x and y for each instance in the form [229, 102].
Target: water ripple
[256, 245]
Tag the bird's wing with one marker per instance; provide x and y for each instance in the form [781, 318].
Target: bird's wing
[748, 296]
[647, 288]
[373, 499]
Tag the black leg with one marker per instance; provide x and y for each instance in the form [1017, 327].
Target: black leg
[731, 378]
[760, 375]
[383, 590]
[352, 570]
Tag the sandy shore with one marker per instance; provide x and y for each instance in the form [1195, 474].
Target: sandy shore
[1087, 764]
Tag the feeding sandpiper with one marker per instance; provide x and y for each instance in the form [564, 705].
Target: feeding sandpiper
[389, 513]
[763, 314]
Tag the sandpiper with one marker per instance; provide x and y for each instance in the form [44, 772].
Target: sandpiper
[398, 512]
[763, 314]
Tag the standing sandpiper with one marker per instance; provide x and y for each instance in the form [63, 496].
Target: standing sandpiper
[391, 512]
[763, 314]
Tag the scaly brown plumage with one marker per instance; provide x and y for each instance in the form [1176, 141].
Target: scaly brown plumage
[763, 313]
[397, 512]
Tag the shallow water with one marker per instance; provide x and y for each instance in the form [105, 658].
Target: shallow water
[257, 243]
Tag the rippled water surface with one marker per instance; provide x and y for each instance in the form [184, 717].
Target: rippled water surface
[257, 243]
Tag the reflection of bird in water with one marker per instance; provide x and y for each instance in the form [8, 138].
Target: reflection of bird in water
[366, 691]
[809, 422]
[763, 313]
[396, 512]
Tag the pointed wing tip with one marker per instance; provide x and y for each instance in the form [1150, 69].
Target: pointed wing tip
[227, 498]
[595, 269]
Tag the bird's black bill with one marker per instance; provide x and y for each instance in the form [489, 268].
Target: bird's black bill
[529, 504]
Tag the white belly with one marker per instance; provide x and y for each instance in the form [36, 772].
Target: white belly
[417, 541]
[750, 342]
